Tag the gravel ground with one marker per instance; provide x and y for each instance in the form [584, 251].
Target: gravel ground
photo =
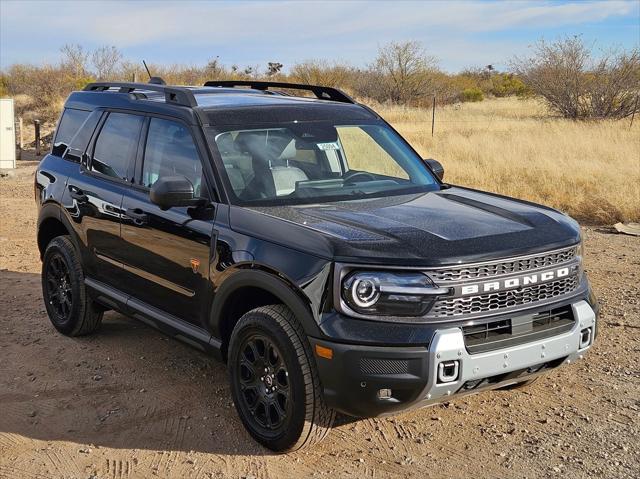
[129, 402]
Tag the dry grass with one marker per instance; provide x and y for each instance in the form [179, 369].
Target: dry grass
[590, 170]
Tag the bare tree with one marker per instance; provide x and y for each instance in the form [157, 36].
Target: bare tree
[214, 68]
[576, 85]
[106, 61]
[405, 71]
[273, 68]
[75, 58]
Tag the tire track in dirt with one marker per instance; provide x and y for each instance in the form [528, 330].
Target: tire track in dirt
[9, 441]
[16, 472]
[118, 468]
[45, 394]
[62, 462]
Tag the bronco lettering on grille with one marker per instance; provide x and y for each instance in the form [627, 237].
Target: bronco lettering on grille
[515, 282]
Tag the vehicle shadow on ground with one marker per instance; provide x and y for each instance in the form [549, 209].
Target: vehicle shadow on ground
[127, 386]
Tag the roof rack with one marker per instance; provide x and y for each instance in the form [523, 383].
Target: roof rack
[321, 92]
[172, 94]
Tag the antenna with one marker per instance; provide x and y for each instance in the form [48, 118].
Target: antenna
[152, 79]
[147, 68]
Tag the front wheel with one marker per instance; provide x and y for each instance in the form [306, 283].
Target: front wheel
[274, 382]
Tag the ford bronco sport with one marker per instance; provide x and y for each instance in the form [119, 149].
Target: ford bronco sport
[305, 243]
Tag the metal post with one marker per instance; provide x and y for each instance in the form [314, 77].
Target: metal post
[433, 116]
[36, 124]
[20, 137]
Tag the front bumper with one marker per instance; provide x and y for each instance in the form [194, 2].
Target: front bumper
[353, 378]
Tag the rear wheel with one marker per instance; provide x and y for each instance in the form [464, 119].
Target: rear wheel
[274, 381]
[70, 309]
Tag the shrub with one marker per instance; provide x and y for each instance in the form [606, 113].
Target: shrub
[578, 86]
[472, 94]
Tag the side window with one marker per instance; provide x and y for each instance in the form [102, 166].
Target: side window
[79, 143]
[170, 151]
[70, 123]
[117, 144]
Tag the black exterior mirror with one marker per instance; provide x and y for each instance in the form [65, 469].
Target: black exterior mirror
[169, 191]
[436, 167]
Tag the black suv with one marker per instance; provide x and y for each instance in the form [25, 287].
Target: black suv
[304, 242]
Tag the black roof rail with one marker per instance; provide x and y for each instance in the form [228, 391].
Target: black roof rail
[172, 94]
[321, 92]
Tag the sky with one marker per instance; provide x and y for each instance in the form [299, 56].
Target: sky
[459, 33]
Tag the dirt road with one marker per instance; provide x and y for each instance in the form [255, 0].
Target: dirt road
[130, 403]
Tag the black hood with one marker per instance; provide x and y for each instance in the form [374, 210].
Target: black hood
[440, 227]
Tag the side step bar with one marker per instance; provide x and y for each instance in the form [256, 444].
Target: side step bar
[186, 332]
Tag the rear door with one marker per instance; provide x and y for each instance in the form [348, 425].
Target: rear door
[166, 255]
[93, 197]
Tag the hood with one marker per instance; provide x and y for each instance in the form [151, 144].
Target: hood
[455, 225]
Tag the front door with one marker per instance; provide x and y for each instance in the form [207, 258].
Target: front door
[166, 256]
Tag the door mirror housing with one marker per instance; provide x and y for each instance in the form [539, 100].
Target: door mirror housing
[170, 191]
[436, 167]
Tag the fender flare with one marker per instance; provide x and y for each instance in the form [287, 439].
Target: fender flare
[288, 293]
[52, 210]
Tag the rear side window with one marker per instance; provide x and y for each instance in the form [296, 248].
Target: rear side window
[70, 123]
[78, 145]
[117, 144]
[170, 151]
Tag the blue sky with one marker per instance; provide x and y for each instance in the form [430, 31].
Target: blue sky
[458, 33]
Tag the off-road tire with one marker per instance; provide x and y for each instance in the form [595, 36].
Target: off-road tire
[310, 418]
[82, 316]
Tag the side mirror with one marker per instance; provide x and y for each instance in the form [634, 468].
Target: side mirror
[169, 191]
[436, 167]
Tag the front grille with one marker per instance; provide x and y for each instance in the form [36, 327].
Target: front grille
[498, 268]
[517, 330]
[448, 308]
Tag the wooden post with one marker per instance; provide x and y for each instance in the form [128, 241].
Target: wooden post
[633, 114]
[20, 137]
[36, 125]
[433, 116]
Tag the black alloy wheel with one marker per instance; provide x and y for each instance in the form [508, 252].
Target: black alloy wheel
[58, 292]
[264, 382]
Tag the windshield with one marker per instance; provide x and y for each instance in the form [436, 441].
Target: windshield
[305, 162]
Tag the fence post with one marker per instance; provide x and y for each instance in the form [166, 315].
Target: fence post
[20, 137]
[633, 114]
[36, 124]
[433, 116]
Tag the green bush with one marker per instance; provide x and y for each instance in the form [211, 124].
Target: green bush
[472, 94]
[507, 84]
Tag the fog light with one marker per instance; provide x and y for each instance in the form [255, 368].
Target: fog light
[448, 371]
[384, 393]
[585, 338]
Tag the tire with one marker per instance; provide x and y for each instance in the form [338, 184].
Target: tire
[283, 409]
[68, 305]
[524, 384]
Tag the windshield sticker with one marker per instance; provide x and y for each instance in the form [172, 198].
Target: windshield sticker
[328, 146]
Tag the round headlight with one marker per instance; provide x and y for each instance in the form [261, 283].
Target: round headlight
[389, 293]
[365, 292]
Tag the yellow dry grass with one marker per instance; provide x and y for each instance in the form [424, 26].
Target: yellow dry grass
[590, 170]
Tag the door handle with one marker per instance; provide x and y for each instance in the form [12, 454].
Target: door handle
[77, 194]
[138, 216]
